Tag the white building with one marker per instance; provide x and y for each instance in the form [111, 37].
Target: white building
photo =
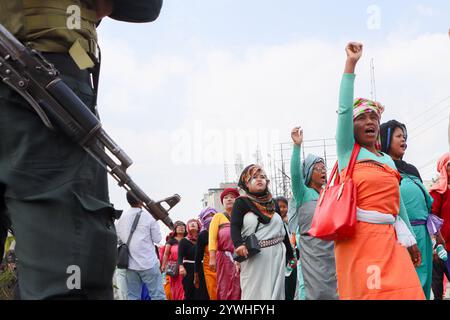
[212, 198]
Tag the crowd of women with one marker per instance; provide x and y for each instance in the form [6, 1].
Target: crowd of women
[261, 247]
[201, 258]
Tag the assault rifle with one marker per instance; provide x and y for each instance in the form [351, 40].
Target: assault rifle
[28, 73]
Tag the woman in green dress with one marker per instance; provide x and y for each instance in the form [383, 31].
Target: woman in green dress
[316, 255]
[415, 198]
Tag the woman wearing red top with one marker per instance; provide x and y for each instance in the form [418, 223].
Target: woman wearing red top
[441, 207]
[171, 254]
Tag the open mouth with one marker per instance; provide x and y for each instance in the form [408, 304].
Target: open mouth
[370, 131]
[403, 146]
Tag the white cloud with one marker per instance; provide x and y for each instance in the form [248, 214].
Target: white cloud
[425, 10]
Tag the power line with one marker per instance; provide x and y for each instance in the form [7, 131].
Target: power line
[429, 166]
[429, 163]
[428, 128]
[429, 172]
[430, 118]
[412, 120]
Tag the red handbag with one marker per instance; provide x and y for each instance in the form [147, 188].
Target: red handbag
[335, 214]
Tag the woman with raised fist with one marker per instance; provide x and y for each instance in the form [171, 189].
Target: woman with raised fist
[374, 263]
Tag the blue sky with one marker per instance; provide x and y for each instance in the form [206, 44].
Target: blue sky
[239, 23]
[210, 66]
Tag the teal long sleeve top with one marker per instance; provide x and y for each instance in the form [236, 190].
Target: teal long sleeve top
[300, 192]
[416, 198]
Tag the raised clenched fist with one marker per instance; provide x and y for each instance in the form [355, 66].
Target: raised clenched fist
[297, 135]
[354, 51]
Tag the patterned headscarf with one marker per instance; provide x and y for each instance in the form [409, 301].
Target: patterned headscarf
[204, 217]
[362, 105]
[442, 184]
[191, 236]
[308, 166]
[262, 201]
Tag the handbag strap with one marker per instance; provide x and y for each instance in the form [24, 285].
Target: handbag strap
[334, 174]
[350, 168]
[227, 216]
[257, 226]
[133, 227]
[353, 157]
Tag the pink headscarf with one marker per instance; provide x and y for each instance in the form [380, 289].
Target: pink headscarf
[442, 184]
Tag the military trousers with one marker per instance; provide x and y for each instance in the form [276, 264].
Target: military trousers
[55, 196]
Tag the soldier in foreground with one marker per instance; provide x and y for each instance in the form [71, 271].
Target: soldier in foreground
[53, 194]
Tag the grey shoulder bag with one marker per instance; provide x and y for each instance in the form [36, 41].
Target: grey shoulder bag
[123, 250]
